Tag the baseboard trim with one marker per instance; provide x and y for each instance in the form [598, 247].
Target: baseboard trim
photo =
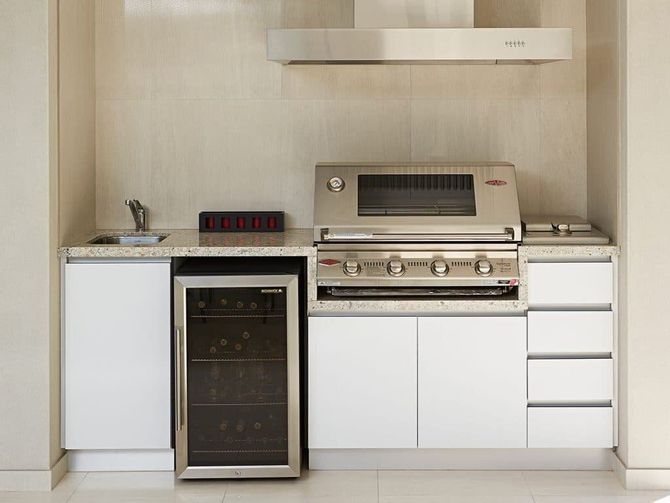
[161, 460]
[34, 480]
[639, 479]
[460, 459]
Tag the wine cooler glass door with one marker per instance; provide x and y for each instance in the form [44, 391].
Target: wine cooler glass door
[237, 403]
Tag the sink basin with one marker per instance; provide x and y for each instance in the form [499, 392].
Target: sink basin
[128, 239]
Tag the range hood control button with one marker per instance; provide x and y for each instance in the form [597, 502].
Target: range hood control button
[396, 268]
[439, 268]
[484, 268]
[352, 268]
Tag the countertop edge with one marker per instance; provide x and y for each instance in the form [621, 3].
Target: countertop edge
[532, 251]
[290, 243]
[406, 307]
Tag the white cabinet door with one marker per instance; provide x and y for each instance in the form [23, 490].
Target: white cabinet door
[472, 382]
[362, 383]
[117, 356]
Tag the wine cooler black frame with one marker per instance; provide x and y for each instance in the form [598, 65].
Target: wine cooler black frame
[291, 284]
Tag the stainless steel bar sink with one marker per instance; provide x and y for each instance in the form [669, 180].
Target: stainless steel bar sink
[128, 239]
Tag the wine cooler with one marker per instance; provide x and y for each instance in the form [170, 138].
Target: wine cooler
[237, 404]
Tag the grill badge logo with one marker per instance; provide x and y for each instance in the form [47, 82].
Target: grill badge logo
[329, 262]
[496, 183]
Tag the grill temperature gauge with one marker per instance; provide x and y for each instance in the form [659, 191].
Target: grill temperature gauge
[335, 184]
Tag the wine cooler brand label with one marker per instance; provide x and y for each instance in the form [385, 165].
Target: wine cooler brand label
[272, 290]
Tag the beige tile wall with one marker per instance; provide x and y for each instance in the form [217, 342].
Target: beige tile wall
[190, 115]
[76, 48]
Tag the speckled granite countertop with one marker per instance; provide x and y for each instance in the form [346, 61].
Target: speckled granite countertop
[191, 243]
[299, 242]
[535, 251]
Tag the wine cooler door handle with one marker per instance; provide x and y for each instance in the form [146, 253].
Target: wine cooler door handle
[179, 355]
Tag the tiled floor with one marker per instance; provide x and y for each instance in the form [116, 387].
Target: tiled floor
[342, 487]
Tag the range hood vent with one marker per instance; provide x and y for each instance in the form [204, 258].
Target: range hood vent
[418, 32]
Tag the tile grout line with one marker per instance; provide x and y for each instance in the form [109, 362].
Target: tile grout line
[378, 496]
[525, 481]
[76, 488]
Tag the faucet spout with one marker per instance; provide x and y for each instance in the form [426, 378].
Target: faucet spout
[139, 214]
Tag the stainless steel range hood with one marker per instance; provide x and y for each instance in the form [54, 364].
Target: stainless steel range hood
[418, 32]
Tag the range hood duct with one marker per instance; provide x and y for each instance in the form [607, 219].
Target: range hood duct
[418, 32]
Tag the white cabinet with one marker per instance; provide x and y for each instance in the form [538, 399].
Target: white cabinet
[572, 350]
[117, 364]
[362, 383]
[472, 382]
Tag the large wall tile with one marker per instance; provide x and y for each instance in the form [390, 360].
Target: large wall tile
[467, 130]
[123, 157]
[507, 13]
[215, 48]
[566, 79]
[318, 13]
[123, 48]
[476, 82]
[563, 168]
[216, 155]
[345, 82]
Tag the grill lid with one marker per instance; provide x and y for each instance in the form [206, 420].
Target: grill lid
[416, 202]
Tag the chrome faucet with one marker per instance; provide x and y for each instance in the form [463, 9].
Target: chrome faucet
[139, 214]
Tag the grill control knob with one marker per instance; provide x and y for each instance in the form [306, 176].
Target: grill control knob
[352, 268]
[484, 268]
[439, 268]
[396, 268]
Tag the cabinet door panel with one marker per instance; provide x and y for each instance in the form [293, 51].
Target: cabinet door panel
[472, 382]
[362, 383]
[117, 356]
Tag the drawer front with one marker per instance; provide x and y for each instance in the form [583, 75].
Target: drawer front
[570, 427]
[570, 283]
[570, 380]
[570, 332]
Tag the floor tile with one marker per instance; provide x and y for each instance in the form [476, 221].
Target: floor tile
[573, 483]
[146, 487]
[461, 484]
[638, 497]
[460, 498]
[314, 486]
[60, 493]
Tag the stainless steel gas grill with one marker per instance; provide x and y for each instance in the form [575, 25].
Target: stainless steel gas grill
[421, 230]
